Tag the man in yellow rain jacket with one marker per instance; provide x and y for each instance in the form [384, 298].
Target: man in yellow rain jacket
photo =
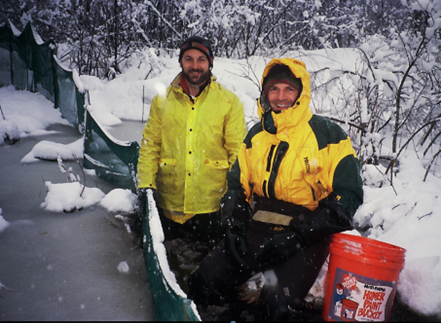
[191, 139]
[302, 176]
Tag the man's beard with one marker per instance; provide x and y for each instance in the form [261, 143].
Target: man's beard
[201, 80]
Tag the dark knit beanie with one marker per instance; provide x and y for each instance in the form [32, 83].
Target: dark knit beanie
[281, 74]
[199, 43]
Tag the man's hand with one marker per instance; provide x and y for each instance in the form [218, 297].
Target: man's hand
[236, 247]
[278, 249]
[236, 213]
[328, 218]
[142, 203]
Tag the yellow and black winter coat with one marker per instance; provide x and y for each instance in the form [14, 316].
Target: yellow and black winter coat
[297, 157]
[188, 146]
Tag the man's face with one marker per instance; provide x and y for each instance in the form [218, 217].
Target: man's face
[282, 96]
[195, 67]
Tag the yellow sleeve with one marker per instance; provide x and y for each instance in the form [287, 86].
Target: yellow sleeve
[235, 129]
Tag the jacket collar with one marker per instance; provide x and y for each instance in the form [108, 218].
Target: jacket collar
[179, 79]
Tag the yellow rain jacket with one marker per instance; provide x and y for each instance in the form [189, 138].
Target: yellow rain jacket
[188, 146]
[295, 156]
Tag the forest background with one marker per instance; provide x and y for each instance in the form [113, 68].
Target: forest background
[399, 43]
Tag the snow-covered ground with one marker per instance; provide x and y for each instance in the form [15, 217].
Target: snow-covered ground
[407, 214]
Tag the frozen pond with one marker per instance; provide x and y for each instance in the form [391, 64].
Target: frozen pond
[64, 266]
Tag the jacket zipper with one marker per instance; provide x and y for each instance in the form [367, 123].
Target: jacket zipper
[273, 164]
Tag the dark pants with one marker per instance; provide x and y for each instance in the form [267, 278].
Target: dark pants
[203, 227]
[216, 279]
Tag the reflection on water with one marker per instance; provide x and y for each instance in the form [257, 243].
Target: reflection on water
[128, 130]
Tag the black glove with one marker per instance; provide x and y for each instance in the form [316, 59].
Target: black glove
[236, 247]
[329, 218]
[142, 203]
[236, 213]
[278, 249]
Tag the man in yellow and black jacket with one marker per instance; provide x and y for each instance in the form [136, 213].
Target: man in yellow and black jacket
[301, 174]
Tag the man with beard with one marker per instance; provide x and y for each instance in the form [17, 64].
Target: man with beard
[190, 141]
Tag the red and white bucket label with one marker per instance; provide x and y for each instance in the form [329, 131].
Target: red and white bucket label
[359, 298]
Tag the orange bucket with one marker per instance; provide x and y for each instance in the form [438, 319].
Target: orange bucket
[362, 279]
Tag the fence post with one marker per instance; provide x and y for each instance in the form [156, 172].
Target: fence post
[142, 119]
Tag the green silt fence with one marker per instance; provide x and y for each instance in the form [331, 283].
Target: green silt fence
[114, 162]
[170, 303]
[28, 63]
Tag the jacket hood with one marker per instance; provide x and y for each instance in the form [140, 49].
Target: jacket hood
[275, 122]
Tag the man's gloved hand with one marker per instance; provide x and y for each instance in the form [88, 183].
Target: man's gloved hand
[236, 247]
[227, 207]
[330, 217]
[142, 202]
[278, 248]
[236, 213]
